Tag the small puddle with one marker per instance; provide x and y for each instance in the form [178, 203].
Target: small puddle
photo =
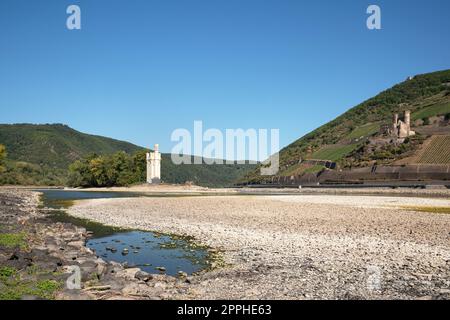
[152, 252]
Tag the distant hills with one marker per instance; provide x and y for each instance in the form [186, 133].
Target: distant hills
[41, 155]
[55, 145]
[348, 140]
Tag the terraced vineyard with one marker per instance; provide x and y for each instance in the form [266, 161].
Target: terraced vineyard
[437, 151]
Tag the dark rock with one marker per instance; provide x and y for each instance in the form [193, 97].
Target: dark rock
[30, 297]
[161, 269]
[46, 265]
[19, 260]
[38, 254]
[143, 276]
[114, 267]
[14, 257]
[3, 258]
[88, 270]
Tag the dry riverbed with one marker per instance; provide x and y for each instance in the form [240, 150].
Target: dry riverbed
[301, 246]
[38, 256]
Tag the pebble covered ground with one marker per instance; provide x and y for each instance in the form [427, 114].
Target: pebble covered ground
[301, 246]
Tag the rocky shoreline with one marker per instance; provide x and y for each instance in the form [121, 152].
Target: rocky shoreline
[37, 257]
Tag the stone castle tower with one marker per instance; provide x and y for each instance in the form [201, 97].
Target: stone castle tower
[402, 129]
[154, 166]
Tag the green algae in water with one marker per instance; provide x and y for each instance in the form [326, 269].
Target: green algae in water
[150, 253]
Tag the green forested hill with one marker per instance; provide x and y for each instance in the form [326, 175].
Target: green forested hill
[425, 95]
[42, 154]
[55, 145]
[215, 175]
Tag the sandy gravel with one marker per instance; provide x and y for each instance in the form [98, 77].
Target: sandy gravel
[301, 246]
[436, 191]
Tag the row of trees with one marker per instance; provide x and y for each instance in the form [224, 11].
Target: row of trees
[123, 169]
[119, 169]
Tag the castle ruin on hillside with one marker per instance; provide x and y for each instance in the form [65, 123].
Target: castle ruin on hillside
[399, 128]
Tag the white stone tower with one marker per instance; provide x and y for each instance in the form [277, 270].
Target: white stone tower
[408, 122]
[154, 166]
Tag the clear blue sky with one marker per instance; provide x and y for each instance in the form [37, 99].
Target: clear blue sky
[139, 69]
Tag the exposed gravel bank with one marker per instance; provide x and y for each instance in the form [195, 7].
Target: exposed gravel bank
[434, 192]
[301, 247]
[37, 256]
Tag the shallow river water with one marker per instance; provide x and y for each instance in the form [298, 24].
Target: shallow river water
[152, 252]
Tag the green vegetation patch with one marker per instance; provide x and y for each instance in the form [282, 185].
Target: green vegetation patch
[24, 173]
[62, 203]
[439, 109]
[55, 145]
[12, 240]
[301, 168]
[333, 152]
[6, 273]
[44, 289]
[364, 131]
[314, 169]
[294, 170]
[441, 210]
[13, 287]
[2, 157]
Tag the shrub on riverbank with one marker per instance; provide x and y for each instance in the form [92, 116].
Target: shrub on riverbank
[119, 169]
[24, 173]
